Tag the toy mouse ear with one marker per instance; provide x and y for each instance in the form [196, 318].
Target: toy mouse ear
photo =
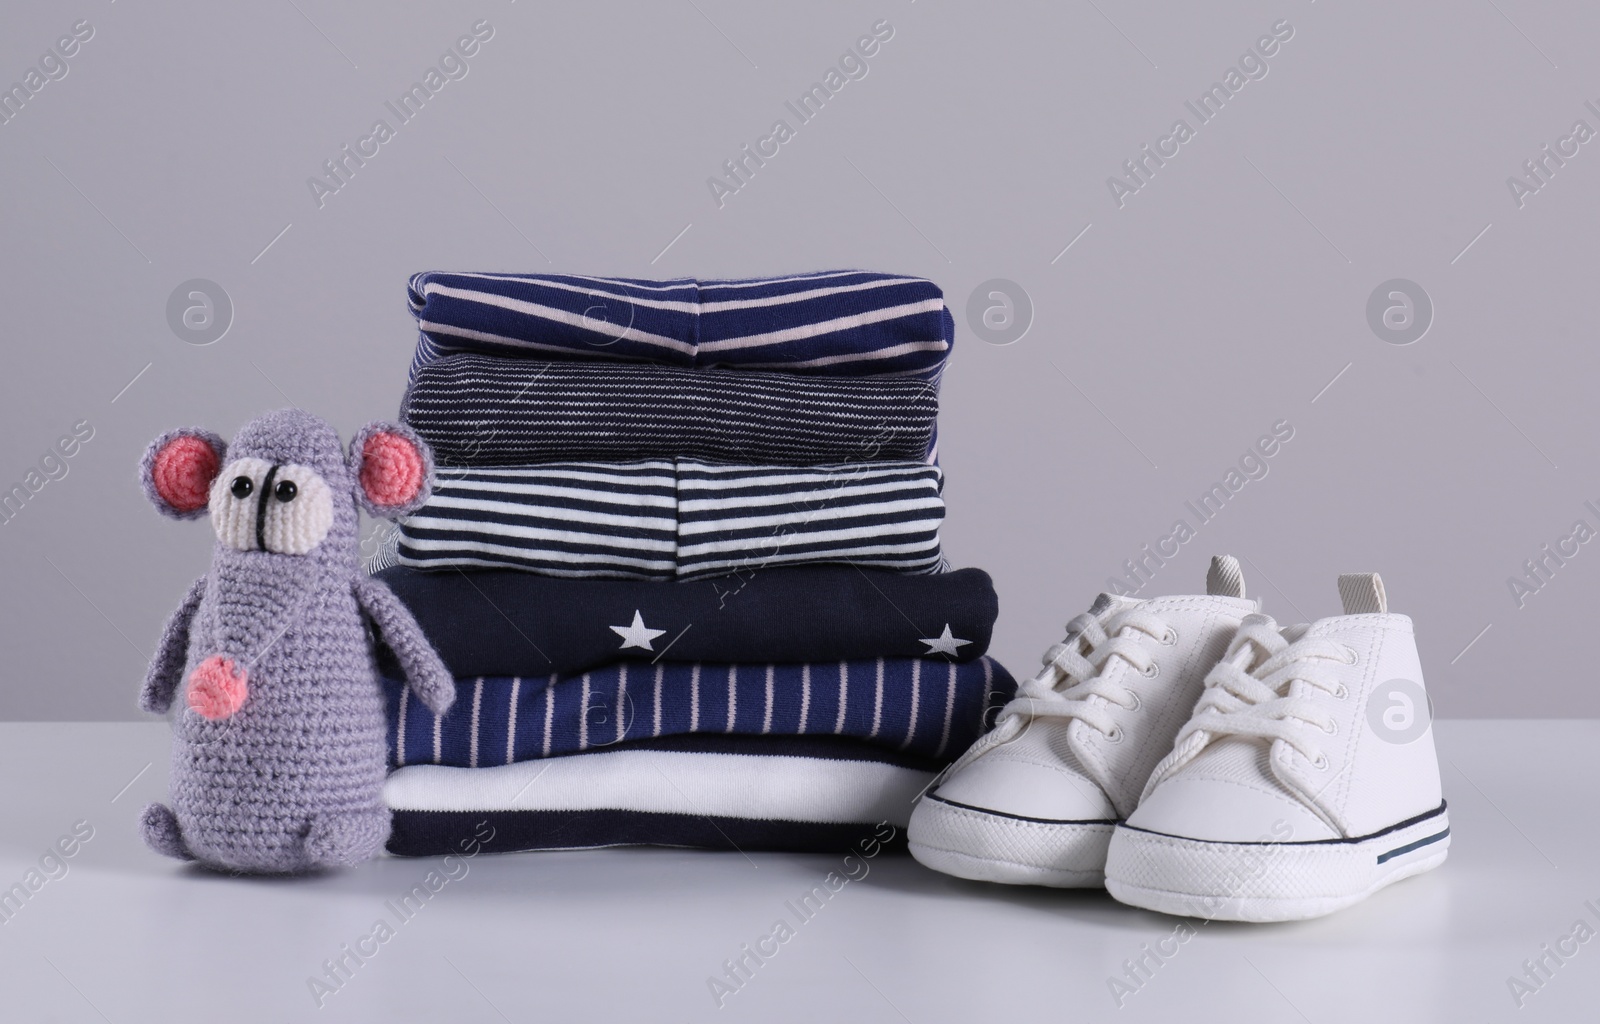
[393, 469]
[177, 470]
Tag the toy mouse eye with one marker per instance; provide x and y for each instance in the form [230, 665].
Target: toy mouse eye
[283, 508]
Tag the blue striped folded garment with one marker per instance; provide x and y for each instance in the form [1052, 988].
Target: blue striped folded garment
[845, 323]
[678, 519]
[923, 707]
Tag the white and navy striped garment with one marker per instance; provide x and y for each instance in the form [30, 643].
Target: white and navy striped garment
[792, 793]
[926, 707]
[478, 410]
[678, 519]
[846, 323]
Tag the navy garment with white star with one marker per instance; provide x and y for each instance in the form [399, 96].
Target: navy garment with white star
[929, 707]
[502, 622]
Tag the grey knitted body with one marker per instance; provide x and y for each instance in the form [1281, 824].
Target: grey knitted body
[292, 779]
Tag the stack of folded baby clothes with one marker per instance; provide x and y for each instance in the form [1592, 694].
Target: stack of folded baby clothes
[682, 556]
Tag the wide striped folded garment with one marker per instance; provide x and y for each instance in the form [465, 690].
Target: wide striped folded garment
[817, 794]
[926, 707]
[478, 410]
[678, 519]
[845, 323]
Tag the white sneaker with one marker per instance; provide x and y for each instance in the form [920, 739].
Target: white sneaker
[1034, 801]
[1305, 782]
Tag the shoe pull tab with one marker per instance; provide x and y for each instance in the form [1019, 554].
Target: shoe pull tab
[1225, 578]
[1362, 593]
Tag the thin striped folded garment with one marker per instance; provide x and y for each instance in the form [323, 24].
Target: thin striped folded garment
[810, 794]
[845, 323]
[478, 410]
[926, 707]
[678, 519]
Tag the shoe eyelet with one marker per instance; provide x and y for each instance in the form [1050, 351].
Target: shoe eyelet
[1152, 672]
[1321, 763]
[1170, 639]
[1135, 704]
[1115, 735]
[1351, 655]
[1332, 729]
[1341, 693]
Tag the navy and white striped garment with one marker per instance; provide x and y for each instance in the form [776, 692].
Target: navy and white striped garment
[816, 794]
[845, 323]
[927, 707]
[477, 410]
[678, 519]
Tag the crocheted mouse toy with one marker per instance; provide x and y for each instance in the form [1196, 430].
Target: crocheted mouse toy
[278, 754]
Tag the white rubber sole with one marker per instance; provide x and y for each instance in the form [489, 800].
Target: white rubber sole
[988, 846]
[1268, 881]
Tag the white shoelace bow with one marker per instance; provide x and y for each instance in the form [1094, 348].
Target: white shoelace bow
[1071, 677]
[1244, 701]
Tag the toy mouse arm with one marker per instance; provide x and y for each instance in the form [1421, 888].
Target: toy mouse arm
[424, 672]
[166, 668]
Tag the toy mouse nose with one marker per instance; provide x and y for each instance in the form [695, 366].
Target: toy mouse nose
[217, 688]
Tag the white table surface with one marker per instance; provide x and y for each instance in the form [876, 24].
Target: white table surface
[633, 935]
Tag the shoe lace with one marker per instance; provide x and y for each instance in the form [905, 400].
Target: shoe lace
[1073, 683]
[1241, 700]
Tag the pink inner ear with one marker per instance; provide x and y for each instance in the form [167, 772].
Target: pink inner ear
[183, 472]
[392, 472]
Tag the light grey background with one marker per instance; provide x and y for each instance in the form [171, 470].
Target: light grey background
[1223, 297]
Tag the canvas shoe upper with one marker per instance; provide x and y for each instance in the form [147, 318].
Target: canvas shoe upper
[1305, 780]
[1034, 800]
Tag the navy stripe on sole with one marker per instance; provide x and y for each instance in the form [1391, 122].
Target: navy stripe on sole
[1397, 851]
